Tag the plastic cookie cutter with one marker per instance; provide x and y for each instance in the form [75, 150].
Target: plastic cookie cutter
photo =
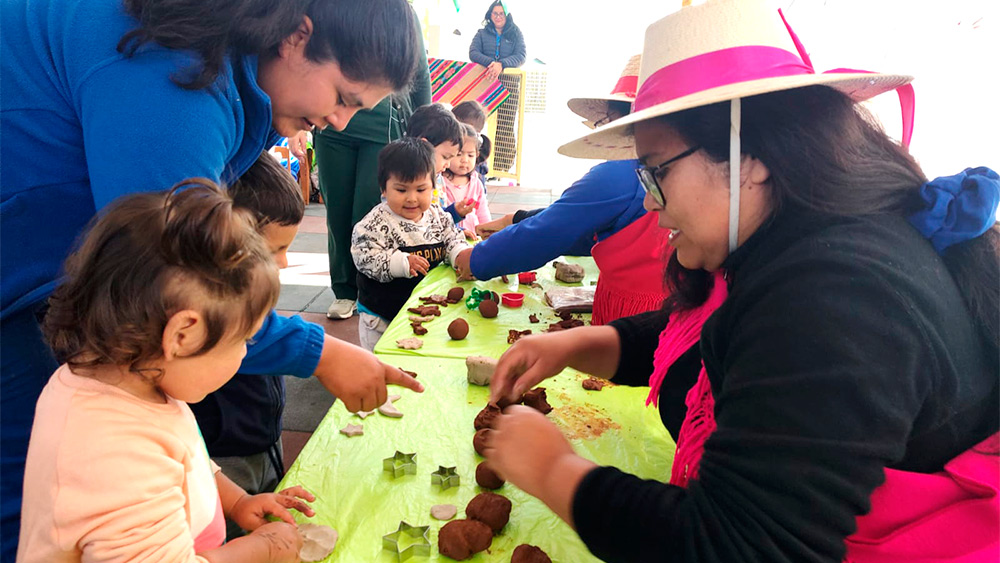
[408, 541]
[445, 477]
[400, 464]
[477, 296]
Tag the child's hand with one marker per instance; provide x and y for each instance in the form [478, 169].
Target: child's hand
[463, 208]
[251, 511]
[418, 265]
[462, 265]
[283, 541]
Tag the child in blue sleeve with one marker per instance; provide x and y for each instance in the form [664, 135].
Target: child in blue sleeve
[241, 422]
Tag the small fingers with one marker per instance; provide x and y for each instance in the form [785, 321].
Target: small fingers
[394, 376]
[298, 491]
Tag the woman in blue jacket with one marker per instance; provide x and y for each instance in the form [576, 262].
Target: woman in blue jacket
[499, 45]
[103, 98]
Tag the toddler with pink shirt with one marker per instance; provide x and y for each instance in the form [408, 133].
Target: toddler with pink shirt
[463, 186]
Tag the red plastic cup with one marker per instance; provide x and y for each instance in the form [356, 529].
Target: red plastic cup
[526, 277]
[512, 300]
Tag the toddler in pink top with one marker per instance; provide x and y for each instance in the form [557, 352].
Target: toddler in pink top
[463, 186]
[154, 313]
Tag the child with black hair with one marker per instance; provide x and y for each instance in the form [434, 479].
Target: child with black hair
[463, 187]
[438, 126]
[400, 240]
[472, 113]
[241, 422]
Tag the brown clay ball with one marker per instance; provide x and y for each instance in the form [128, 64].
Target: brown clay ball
[536, 400]
[461, 539]
[487, 478]
[458, 329]
[456, 294]
[490, 509]
[479, 440]
[487, 417]
[495, 297]
[488, 309]
[525, 553]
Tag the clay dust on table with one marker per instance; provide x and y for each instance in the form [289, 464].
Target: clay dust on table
[581, 421]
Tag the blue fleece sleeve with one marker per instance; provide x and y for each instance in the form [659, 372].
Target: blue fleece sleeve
[142, 132]
[284, 346]
[476, 53]
[567, 227]
[454, 214]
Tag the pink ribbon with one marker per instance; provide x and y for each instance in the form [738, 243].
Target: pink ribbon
[743, 64]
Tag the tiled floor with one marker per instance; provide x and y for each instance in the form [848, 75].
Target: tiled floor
[305, 290]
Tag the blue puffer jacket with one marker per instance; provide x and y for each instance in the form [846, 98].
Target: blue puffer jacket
[483, 49]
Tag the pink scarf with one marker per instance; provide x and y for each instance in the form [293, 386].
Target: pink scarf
[682, 332]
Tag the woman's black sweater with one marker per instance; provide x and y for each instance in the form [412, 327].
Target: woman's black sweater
[844, 348]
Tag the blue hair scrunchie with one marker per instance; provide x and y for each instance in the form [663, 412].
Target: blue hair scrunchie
[958, 208]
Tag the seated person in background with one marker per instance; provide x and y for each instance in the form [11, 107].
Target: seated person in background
[463, 187]
[400, 240]
[241, 422]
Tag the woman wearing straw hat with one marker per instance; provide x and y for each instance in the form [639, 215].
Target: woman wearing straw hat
[846, 405]
[603, 207]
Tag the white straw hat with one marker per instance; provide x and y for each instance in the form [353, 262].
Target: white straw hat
[724, 50]
[595, 108]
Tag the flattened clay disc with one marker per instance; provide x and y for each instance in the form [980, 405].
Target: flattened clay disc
[317, 542]
[444, 511]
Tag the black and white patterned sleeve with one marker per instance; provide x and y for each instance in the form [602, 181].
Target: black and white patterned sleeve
[372, 246]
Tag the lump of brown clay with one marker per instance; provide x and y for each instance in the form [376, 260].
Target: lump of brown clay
[532, 318]
[569, 273]
[461, 539]
[412, 374]
[487, 417]
[525, 553]
[487, 478]
[480, 369]
[513, 335]
[536, 399]
[435, 299]
[479, 440]
[565, 325]
[455, 294]
[504, 402]
[458, 329]
[594, 384]
[488, 309]
[490, 509]
[418, 329]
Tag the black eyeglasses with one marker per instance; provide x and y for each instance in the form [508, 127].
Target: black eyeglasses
[647, 175]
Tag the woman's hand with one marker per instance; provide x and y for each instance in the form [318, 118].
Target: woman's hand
[251, 511]
[529, 361]
[486, 229]
[528, 450]
[494, 70]
[463, 265]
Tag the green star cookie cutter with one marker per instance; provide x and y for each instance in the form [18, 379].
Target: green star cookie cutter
[477, 296]
[445, 477]
[408, 541]
[400, 464]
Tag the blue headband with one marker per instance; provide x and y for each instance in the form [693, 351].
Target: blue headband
[958, 208]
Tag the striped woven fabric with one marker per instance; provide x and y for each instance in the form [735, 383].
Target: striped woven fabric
[456, 81]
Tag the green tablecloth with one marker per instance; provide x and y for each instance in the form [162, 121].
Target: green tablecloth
[363, 503]
[487, 337]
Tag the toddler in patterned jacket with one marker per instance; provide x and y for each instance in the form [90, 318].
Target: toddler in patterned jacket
[400, 240]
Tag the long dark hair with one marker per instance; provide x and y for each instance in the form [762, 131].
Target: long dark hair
[488, 18]
[372, 41]
[828, 155]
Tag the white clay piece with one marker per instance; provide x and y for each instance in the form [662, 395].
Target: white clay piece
[389, 409]
[411, 343]
[444, 511]
[317, 542]
[481, 369]
[352, 430]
